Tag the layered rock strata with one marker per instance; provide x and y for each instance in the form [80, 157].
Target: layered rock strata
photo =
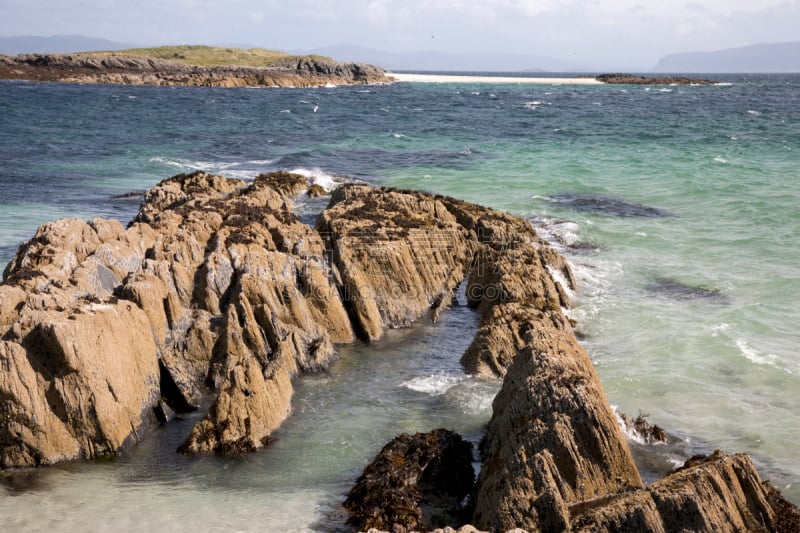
[120, 68]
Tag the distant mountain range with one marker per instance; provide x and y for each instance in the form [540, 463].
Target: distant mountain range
[57, 44]
[779, 57]
[431, 60]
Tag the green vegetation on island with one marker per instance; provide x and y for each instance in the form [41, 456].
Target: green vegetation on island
[213, 56]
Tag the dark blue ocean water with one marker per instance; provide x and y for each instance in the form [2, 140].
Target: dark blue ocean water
[677, 206]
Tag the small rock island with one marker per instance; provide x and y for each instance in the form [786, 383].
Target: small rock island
[190, 66]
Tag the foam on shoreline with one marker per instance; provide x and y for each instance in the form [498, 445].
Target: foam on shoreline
[440, 78]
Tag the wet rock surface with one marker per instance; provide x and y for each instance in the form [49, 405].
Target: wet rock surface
[416, 482]
[119, 68]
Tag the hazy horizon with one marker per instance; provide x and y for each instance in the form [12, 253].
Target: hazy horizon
[590, 32]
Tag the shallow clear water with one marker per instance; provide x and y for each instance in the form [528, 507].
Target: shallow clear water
[690, 313]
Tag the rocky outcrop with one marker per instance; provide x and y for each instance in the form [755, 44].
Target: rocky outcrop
[120, 68]
[517, 282]
[399, 255]
[231, 295]
[632, 79]
[413, 483]
[216, 291]
[553, 440]
[215, 284]
[718, 493]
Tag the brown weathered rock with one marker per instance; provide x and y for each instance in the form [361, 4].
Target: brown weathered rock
[400, 255]
[553, 440]
[720, 493]
[517, 282]
[78, 385]
[413, 480]
[217, 287]
[202, 251]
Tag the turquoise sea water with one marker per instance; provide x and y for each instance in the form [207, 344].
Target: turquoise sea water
[677, 206]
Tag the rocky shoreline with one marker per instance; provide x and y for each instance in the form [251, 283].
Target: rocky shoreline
[217, 290]
[127, 69]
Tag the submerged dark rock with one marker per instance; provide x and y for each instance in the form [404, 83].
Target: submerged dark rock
[416, 482]
[677, 290]
[601, 204]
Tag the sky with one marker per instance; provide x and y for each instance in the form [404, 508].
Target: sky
[622, 32]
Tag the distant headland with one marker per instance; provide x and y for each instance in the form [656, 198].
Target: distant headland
[190, 66]
[209, 66]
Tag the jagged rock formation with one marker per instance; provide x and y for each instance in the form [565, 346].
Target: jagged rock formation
[719, 493]
[414, 480]
[632, 79]
[400, 255]
[222, 288]
[553, 440]
[215, 283]
[120, 68]
[517, 282]
[217, 288]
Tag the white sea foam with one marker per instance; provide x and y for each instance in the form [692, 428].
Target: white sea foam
[559, 233]
[435, 384]
[319, 177]
[475, 400]
[399, 136]
[230, 169]
[760, 358]
[754, 112]
[720, 159]
[630, 431]
[559, 278]
[719, 328]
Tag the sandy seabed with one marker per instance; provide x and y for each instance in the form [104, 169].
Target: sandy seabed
[438, 78]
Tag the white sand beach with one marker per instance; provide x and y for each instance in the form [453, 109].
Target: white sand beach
[438, 78]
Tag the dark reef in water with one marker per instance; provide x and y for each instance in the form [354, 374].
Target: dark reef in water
[601, 204]
[677, 290]
[631, 79]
